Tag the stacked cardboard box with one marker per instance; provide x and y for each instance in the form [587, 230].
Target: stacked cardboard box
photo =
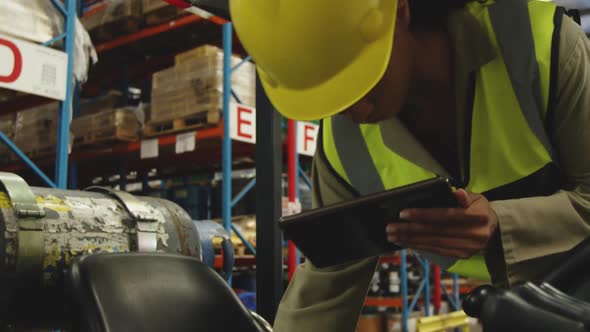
[36, 130]
[195, 85]
[7, 128]
[106, 126]
[33, 20]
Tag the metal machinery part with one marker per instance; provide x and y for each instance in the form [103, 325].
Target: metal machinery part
[43, 230]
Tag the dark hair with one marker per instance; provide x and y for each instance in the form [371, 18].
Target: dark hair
[432, 14]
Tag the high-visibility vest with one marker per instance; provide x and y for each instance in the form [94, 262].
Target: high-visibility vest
[508, 153]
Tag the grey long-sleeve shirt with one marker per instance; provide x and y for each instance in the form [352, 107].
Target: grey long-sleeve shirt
[534, 232]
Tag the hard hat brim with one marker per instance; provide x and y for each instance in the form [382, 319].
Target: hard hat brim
[340, 91]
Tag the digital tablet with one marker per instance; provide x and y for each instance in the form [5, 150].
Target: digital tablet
[355, 229]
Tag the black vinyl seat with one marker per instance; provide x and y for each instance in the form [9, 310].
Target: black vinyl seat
[558, 303]
[153, 292]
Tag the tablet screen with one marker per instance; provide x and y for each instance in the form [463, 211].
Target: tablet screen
[355, 229]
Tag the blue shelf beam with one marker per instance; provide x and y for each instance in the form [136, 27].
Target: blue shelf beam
[417, 296]
[226, 143]
[26, 160]
[63, 128]
[404, 281]
[243, 193]
[304, 177]
[246, 59]
[451, 299]
[236, 97]
[426, 267]
[61, 8]
[226, 191]
[54, 39]
[244, 240]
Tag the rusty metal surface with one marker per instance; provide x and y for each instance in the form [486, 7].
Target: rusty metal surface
[186, 240]
[79, 223]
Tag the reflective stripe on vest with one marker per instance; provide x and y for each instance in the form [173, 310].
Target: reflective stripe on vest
[506, 144]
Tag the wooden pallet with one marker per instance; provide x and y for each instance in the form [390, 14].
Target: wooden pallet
[105, 137]
[194, 121]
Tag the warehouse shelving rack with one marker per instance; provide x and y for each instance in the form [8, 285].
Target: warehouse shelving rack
[124, 149]
[70, 13]
[216, 133]
[425, 295]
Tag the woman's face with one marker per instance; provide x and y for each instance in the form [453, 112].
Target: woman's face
[388, 97]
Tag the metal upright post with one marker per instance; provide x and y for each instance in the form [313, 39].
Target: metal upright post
[297, 190]
[292, 176]
[426, 287]
[73, 169]
[437, 288]
[63, 129]
[269, 258]
[226, 144]
[456, 294]
[404, 282]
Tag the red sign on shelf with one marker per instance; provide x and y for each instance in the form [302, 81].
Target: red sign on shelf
[243, 123]
[32, 68]
[17, 66]
[243, 128]
[307, 135]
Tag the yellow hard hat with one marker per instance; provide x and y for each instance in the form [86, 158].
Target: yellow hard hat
[316, 58]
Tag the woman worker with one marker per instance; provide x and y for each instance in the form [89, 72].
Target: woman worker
[491, 94]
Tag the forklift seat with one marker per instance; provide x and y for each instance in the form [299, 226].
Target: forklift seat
[558, 303]
[153, 292]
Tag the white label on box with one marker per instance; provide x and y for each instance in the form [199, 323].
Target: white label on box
[307, 135]
[185, 142]
[32, 68]
[242, 123]
[149, 148]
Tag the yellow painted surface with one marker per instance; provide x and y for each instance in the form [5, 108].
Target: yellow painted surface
[53, 203]
[5, 201]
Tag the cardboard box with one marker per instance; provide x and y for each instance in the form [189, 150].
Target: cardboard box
[196, 53]
[195, 84]
[111, 125]
[33, 20]
[36, 130]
